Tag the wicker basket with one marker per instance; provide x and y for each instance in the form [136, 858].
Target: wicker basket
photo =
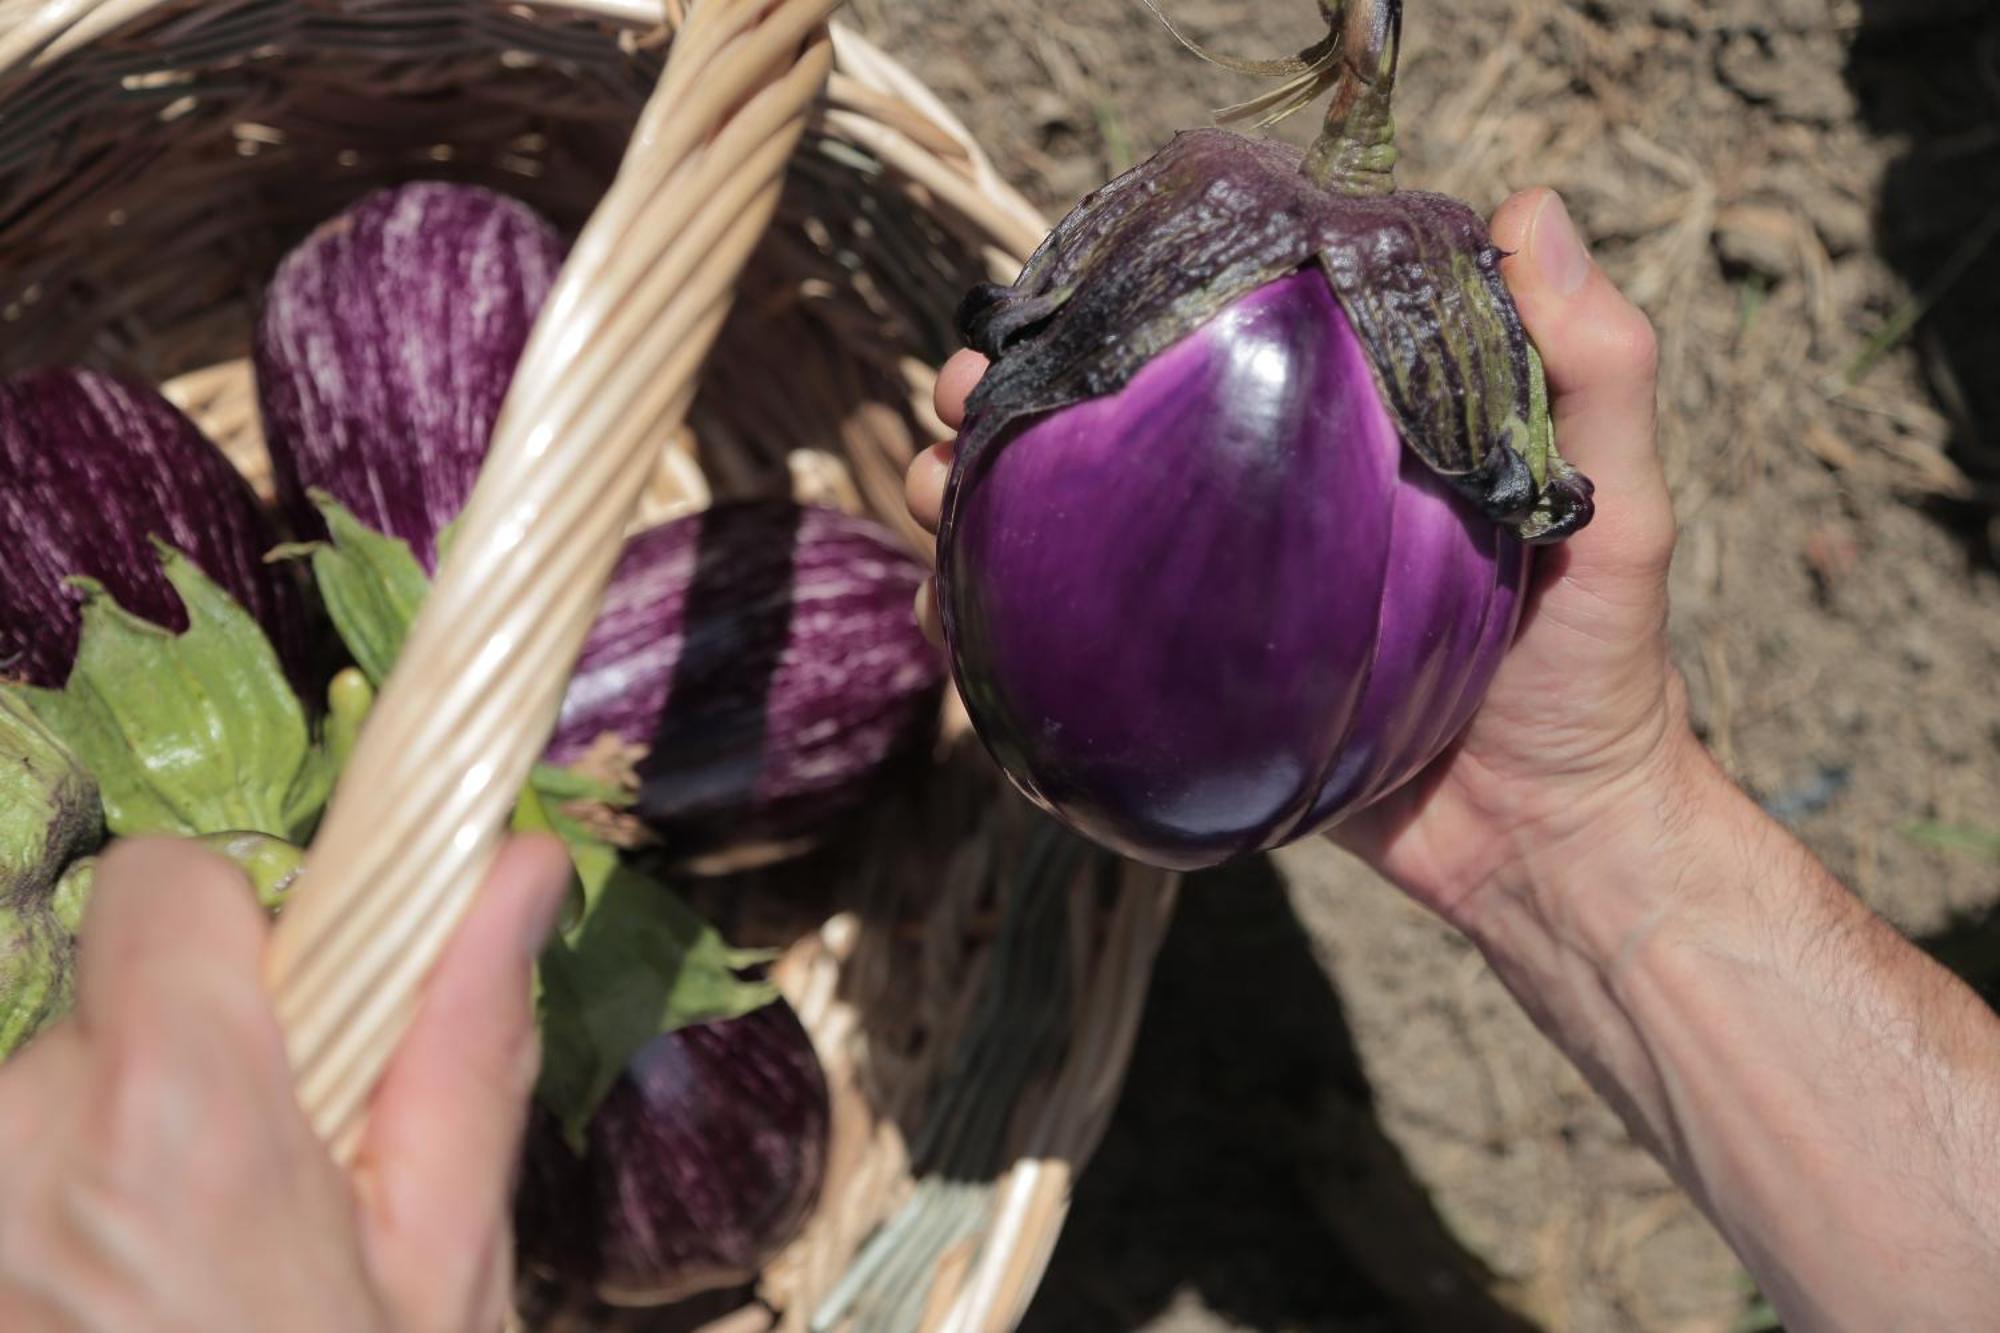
[157, 157]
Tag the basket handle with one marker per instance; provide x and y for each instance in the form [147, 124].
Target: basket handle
[607, 375]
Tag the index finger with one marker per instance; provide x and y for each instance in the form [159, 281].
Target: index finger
[955, 383]
[435, 1167]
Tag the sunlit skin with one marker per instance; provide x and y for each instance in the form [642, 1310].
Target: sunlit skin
[1828, 1094]
[1525, 772]
[156, 1172]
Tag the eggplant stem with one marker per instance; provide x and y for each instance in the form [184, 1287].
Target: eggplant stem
[1356, 153]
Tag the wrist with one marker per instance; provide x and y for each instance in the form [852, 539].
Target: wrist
[1587, 910]
[1599, 877]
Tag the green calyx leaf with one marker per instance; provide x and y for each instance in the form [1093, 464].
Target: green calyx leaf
[38, 937]
[272, 865]
[372, 586]
[49, 816]
[632, 959]
[49, 811]
[38, 957]
[1562, 495]
[636, 962]
[187, 733]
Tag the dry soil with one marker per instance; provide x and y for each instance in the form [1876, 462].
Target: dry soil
[1336, 1119]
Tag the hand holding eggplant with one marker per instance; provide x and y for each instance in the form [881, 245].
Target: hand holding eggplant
[1584, 707]
[1586, 712]
[1822, 1088]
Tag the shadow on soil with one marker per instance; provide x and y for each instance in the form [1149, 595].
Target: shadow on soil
[1244, 1167]
[1929, 71]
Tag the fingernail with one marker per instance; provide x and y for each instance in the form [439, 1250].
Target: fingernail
[1557, 249]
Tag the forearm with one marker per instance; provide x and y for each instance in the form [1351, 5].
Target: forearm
[1827, 1093]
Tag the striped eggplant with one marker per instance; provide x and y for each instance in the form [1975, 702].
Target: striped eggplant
[49, 816]
[385, 346]
[763, 659]
[703, 1160]
[92, 469]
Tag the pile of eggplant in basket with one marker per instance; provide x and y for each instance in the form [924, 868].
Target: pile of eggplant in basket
[178, 656]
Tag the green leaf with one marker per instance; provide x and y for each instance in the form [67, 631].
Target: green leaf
[633, 959]
[306, 800]
[639, 963]
[532, 816]
[372, 586]
[187, 733]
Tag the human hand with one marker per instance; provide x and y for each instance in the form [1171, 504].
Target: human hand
[157, 1172]
[1585, 716]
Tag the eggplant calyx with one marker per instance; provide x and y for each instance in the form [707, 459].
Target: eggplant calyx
[272, 865]
[1161, 250]
[1523, 483]
[38, 960]
[992, 318]
[1564, 507]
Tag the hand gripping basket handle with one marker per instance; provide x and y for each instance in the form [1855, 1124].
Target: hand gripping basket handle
[607, 375]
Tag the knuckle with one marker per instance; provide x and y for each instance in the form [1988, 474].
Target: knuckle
[1630, 341]
[143, 1089]
[508, 1069]
[184, 1089]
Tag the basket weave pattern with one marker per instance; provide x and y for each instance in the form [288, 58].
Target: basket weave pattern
[157, 158]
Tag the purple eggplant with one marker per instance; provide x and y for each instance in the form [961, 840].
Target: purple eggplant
[385, 348]
[92, 469]
[703, 1160]
[1237, 531]
[765, 658]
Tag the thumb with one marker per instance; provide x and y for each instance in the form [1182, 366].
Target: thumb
[1602, 362]
[435, 1170]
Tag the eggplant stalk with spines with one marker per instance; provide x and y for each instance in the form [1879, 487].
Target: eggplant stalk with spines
[1238, 526]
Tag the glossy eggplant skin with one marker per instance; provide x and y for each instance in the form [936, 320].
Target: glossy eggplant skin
[1151, 257]
[766, 658]
[702, 1162]
[93, 469]
[1222, 605]
[385, 347]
